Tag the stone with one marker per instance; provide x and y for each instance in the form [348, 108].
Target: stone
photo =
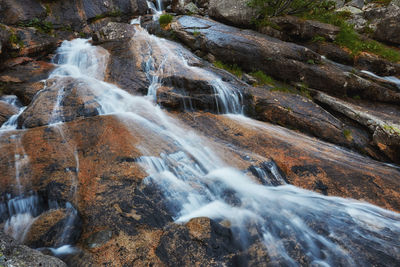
[381, 120]
[115, 32]
[16, 255]
[6, 111]
[281, 60]
[75, 100]
[235, 12]
[14, 11]
[54, 228]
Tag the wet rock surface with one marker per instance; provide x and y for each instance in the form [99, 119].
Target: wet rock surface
[81, 158]
[14, 254]
[254, 51]
[6, 111]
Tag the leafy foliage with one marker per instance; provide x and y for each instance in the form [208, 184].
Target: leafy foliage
[165, 19]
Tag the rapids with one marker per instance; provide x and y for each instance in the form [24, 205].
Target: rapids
[196, 182]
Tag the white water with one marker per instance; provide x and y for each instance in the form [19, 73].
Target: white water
[196, 182]
[155, 9]
[392, 79]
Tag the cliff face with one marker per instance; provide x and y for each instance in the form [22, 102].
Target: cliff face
[118, 151]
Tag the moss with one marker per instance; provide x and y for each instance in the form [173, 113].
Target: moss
[47, 8]
[15, 40]
[391, 129]
[165, 20]
[262, 78]
[318, 38]
[348, 135]
[349, 38]
[300, 89]
[234, 69]
[40, 25]
[196, 33]
[114, 13]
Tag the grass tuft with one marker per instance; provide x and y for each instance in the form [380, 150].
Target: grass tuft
[234, 69]
[165, 19]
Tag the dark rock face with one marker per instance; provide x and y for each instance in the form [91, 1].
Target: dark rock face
[13, 11]
[54, 228]
[24, 80]
[293, 29]
[14, 254]
[388, 30]
[6, 111]
[281, 60]
[201, 241]
[300, 113]
[235, 12]
[116, 32]
[62, 100]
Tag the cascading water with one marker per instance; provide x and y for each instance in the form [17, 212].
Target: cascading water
[195, 182]
[392, 79]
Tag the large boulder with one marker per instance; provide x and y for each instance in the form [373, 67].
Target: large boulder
[236, 12]
[24, 80]
[307, 162]
[294, 29]
[281, 60]
[16, 255]
[6, 111]
[388, 30]
[381, 120]
[63, 99]
[14, 11]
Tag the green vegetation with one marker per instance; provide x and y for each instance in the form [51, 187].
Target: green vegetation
[15, 40]
[196, 33]
[165, 19]
[114, 13]
[392, 129]
[40, 25]
[234, 69]
[262, 78]
[318, 38]
[347, 134]
[300, 89]
[323, 11]
[48, 10]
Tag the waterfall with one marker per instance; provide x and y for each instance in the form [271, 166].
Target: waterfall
[196, 182]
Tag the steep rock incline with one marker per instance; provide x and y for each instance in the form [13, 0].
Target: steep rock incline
[282, 60]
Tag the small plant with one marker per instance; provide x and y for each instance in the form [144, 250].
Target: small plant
[356, 97]
[113, 13]
[165, 20]
[234, 69]
[311, 62]
[391, 129]
[318, 39]
[41, 26]
[262, 78]
[196, 33]
[16, 41]
[348, 135]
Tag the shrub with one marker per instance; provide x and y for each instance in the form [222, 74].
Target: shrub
[165, 19]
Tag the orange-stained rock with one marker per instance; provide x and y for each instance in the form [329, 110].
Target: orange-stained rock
[6, 111]
[307, 162]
